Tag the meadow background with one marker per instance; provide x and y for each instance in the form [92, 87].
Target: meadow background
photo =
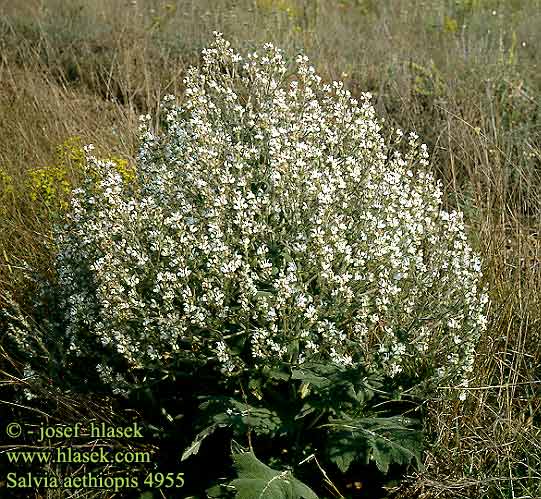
[464, 74]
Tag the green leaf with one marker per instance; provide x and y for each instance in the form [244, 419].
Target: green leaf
[304, 390]
[240, 417]
[342, 453]
[194, 446]
[259, 481]
[255, 388]
[279, 373]
[217, 491]
[382, 440]
[334, 389]
[306, 410]
[310, 378]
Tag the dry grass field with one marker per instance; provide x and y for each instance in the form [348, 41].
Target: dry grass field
[465, 75]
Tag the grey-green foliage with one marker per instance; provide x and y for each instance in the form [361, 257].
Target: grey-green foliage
[335, 409]
[385, 441]
[256, 480]
[246, 242]
[239, 417]
[356, 432]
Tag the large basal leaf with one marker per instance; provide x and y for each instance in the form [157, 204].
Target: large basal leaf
[343, 451]
[382, 440]
[258, 481]
[334, 388]
[240, 416]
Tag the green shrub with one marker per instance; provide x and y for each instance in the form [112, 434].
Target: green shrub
[272, 224]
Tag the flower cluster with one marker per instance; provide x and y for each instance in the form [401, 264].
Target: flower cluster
[270, 222]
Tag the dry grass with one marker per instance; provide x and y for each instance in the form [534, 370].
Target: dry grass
[473, 93]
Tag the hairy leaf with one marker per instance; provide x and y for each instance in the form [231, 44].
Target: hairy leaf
[240, 416]
[259, 481]
[382, 440]
[333, 388]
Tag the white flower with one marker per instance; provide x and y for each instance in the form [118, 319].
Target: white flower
[281, 216]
